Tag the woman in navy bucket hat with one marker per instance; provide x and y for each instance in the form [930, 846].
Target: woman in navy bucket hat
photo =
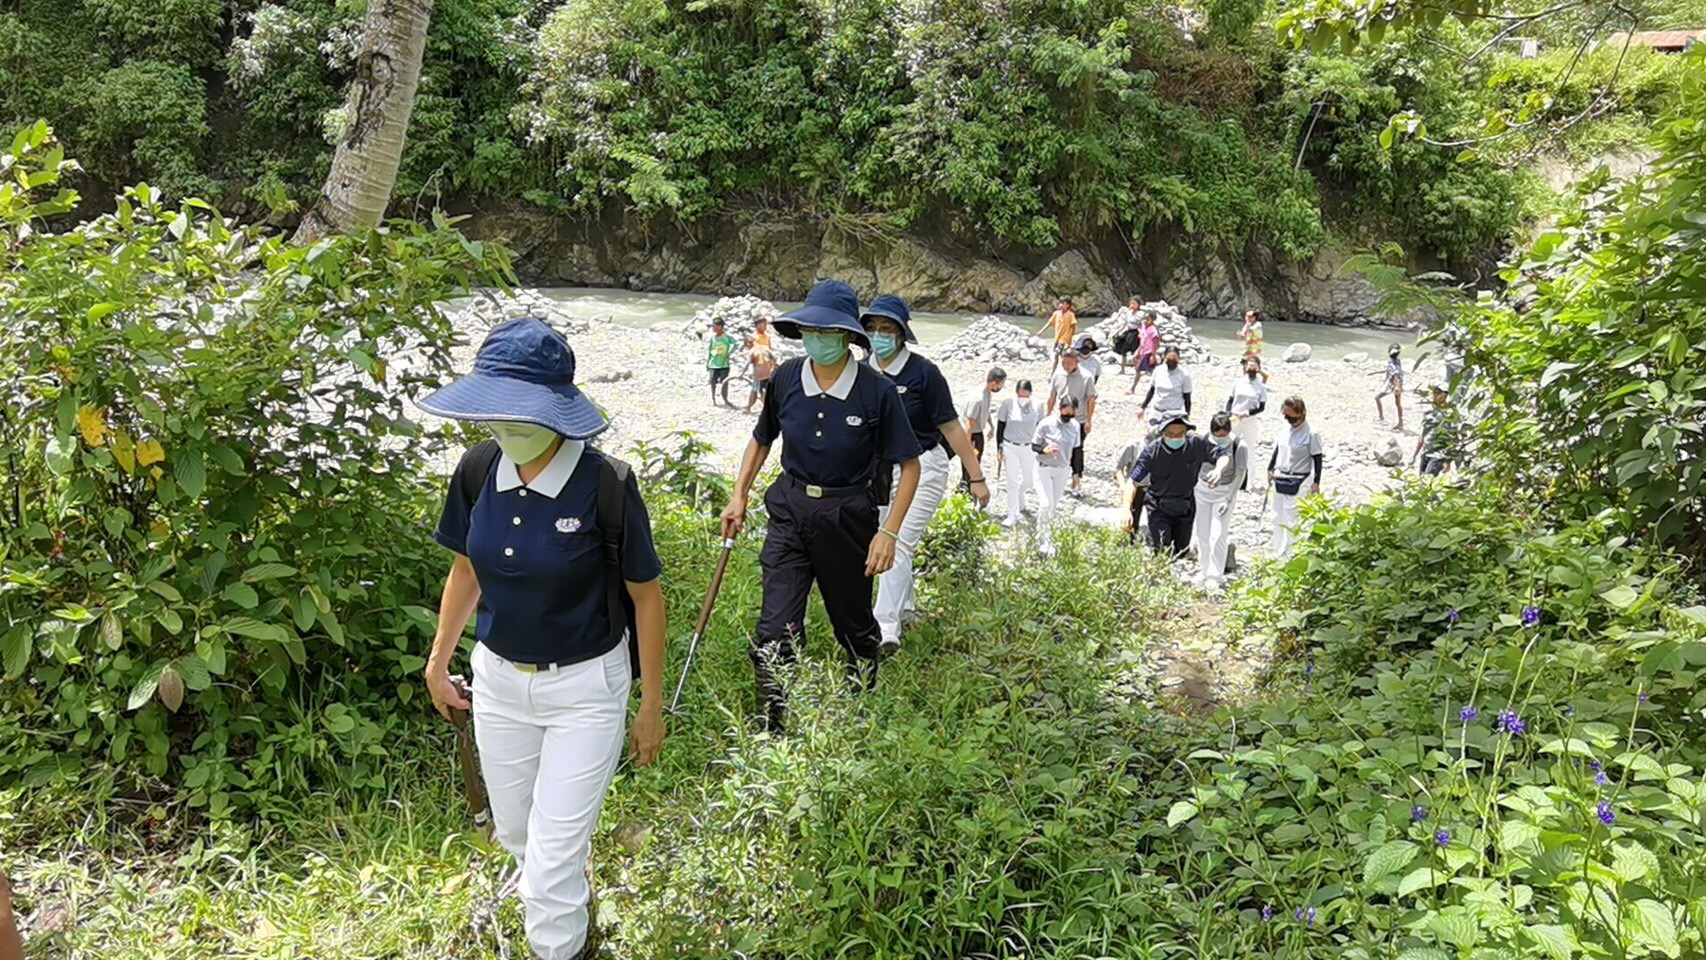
[525, 516]
[838, 420]
[930, 410]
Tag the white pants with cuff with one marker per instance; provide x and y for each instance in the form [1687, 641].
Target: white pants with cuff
[549, 744]
[1052, 485]
[1285, 522]
[1248, 431]
[897, 596]
[1213, 531]
[1021, 476]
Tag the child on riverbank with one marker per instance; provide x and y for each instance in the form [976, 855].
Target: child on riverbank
[717, 357]
[1392, 385]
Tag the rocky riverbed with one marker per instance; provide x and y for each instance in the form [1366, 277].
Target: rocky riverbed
[654, 384]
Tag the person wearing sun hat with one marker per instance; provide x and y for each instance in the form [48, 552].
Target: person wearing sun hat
[838, 420]
[1167, 472]
[930, 409]
[561, 616]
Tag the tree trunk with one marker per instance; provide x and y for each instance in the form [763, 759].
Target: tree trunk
[381, 97]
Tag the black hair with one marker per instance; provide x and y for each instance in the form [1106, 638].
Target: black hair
[1169, 352]
[1220, 421]
[1068, 402]
[1066, 300]
[1023, 386]
[996, 375]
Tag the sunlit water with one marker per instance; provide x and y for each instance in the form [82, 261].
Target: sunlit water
[643, 310]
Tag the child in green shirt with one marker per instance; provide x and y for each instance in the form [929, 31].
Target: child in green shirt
[717, 361]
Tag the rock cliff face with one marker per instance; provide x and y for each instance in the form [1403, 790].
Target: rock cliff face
[779, 259]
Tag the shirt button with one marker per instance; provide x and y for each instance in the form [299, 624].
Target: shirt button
[820, 414]
[516, 521]
[820, 433]
[509, 551]
[524, 491]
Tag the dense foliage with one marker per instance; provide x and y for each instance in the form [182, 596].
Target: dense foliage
[216, 562]
[1026, 124]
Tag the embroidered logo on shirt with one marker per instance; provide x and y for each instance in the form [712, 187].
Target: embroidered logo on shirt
[900, 388]
[568, 524]
[855, 421]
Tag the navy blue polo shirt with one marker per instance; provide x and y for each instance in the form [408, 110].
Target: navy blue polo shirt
[834, 437]
[538, 554]
[924, 393]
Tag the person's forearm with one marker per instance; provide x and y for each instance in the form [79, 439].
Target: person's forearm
[649, 619]
[1318, 458]
[960, 443]
[461, 595]
[1090, 409]
[1000, 433]
[1148, 397]
[1187, 403]
[1051, 399]
[1128, 493]
[909, 472]
[751, 462]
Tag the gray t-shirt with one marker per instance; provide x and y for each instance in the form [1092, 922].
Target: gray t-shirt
[978, 412]
[1052, 432]
[1021, 417]
[1078, 385]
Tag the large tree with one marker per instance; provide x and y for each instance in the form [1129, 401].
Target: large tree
[376, 120]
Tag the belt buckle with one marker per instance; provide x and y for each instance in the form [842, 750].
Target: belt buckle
[814, 491]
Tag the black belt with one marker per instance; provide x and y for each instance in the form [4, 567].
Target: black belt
[819, 492]
[553, 665]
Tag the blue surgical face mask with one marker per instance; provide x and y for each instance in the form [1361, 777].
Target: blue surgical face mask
[885, 345]
[827, 349]
[1223, 442]
[522, 442]
[1175, 443]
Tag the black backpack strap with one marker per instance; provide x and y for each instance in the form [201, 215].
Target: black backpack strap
[612, 519]
[476, 465]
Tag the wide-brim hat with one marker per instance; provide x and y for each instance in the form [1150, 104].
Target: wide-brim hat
[524, 373]
[893, 308]
[831, 305]
[1178, 418]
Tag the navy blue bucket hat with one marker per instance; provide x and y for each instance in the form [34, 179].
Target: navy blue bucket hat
[524, 373]
[832, 305]
[893, 308]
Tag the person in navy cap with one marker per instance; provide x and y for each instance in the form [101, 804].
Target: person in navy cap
[554, 550]
[930, 411]
[1167, 472]
[839, 421]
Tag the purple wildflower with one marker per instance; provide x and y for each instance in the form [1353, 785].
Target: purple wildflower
[1595, 766]
[1569, 709]
[1418, 813]
[1530, 616]
[1452, 615]
[1267, 912]
[1468, 714]
[1600, 779]
[1298, 915]
[1642, 698]
[1309, 916]
[1607, 815]
[1442, 837]
[1510, 723]
[1309, 668]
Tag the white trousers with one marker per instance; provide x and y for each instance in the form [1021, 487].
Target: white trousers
[549, 743]
[1285, 522]
[1213, 532]
[897, 596]
[1052, 485]
[1021, 476]
[1248, 431]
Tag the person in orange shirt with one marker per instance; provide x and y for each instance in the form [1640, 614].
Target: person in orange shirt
[1064, 322]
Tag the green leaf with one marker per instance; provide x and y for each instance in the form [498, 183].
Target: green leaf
[191, 475]
[112, 630]
[227, 459]
[15, 646]
[166, 590]
[1420, 879]
[302, 610]
[1457, 929]
[1631, 861]
[242, 595]
[268, 571]
[1181, 812]
[1621, 596]
[1388, 859]
[195, 673]
[1651, 923]
[145, 687]
[1696, 613]
[1424, 953]
[250, 627]
[1554, 940]
[171, 688]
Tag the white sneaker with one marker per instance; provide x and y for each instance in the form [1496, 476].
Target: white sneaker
[1009, 521]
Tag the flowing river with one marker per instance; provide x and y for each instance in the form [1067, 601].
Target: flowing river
[643, 310]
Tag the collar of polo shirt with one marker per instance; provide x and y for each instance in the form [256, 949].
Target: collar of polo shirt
[551, 480]
[840, 389]
[898, 363]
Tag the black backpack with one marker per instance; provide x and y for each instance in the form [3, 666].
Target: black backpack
[613, 477]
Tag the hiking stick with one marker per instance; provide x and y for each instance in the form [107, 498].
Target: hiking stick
[704, 620]
[473, 787]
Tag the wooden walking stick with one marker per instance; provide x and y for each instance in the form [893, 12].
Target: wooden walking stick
[474, 788]
[704, 620]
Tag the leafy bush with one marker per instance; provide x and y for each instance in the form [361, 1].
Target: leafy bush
[217, 567]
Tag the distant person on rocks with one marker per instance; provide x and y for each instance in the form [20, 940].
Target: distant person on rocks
[1294, 469]
[1015, 430]
[1169, 393]
[930, 410]
[1169, 467]
[1218, 486]
[552, 546]
[837, 419]
[1148, 349]
[763, 359]
[979, 414]
[1056, 438]
[1437, 445]
[1392, 384]
[1248, 400]
[718, 354]
[1251, 332]
[1127, 341]
[1072, 380]
[1064, 324]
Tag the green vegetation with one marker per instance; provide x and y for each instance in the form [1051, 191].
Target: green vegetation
[1029, 124]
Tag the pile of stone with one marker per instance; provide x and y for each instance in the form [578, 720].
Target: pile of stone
[1175, 332]
[740, 316]
[488, 308]
[991, 339]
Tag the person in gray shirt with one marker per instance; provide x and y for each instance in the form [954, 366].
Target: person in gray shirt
[1015, 428]
[1057, 437]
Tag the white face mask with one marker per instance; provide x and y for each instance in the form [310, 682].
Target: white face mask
[522, 442]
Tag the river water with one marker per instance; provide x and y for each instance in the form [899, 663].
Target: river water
[642, 310]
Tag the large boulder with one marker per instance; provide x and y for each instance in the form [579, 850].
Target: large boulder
[1387, 452]
[1298, 353]
[1356, 358]
[1072, 275]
